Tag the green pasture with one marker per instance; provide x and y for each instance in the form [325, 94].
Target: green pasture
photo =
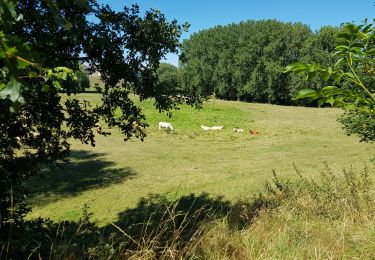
[115, 175]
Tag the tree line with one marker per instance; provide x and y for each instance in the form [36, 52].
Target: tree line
[246, 61]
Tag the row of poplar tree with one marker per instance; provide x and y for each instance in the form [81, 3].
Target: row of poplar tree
[246, 61]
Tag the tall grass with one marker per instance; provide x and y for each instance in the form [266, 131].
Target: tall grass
[333, 217]
[330, 218]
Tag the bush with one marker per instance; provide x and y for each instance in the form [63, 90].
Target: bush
[361, 123]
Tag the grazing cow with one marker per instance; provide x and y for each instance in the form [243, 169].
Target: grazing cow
[165, 126]
[212, 128]
[237, 130]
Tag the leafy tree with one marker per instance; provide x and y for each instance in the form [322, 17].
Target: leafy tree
[168, 81]
[353, 78]
[42, 43]
[83, 81]
[245, 61]
[168, 76]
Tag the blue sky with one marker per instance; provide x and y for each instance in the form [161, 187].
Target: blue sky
[203, 14]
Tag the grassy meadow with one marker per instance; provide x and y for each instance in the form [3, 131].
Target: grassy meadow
[114, 176]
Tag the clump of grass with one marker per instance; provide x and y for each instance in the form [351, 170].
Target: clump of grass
[330, 218]
[167, 240]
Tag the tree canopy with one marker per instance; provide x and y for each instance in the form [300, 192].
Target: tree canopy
[245, 61]
[42, 44]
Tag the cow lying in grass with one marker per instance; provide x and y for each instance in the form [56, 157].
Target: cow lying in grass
[165, 126]
[212, 128]
[254, 132]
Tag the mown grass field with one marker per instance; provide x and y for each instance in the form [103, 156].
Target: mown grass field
[115, 175]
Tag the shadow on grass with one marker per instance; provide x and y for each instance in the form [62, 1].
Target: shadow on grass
[156, 214]
[83, 172]
[156, 227]
[160, 220]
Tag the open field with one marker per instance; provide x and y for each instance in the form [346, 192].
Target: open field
[115, 175]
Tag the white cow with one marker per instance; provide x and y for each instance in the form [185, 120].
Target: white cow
[165, 126]
[212, 128]
[205, 128]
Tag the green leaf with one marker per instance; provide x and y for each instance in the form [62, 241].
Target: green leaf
[342, 42]
[370, 52]
[357, 45]
[321, 101]
[356, 50]
[56, 84]
[367, 28]
[349, 75]
[12, 91]
[296, 67]
[343, 37]
[306, 93]
[351, 29]
[326, 76]
[8, 9]
[2, 53]
[329, 88]
[349, 106]
[339, 61]
[11, 51]
[330, 101]
[312, 74]
[33, 74]
[23, 63]
[338, 78]
[45, 88]
[342, 47]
